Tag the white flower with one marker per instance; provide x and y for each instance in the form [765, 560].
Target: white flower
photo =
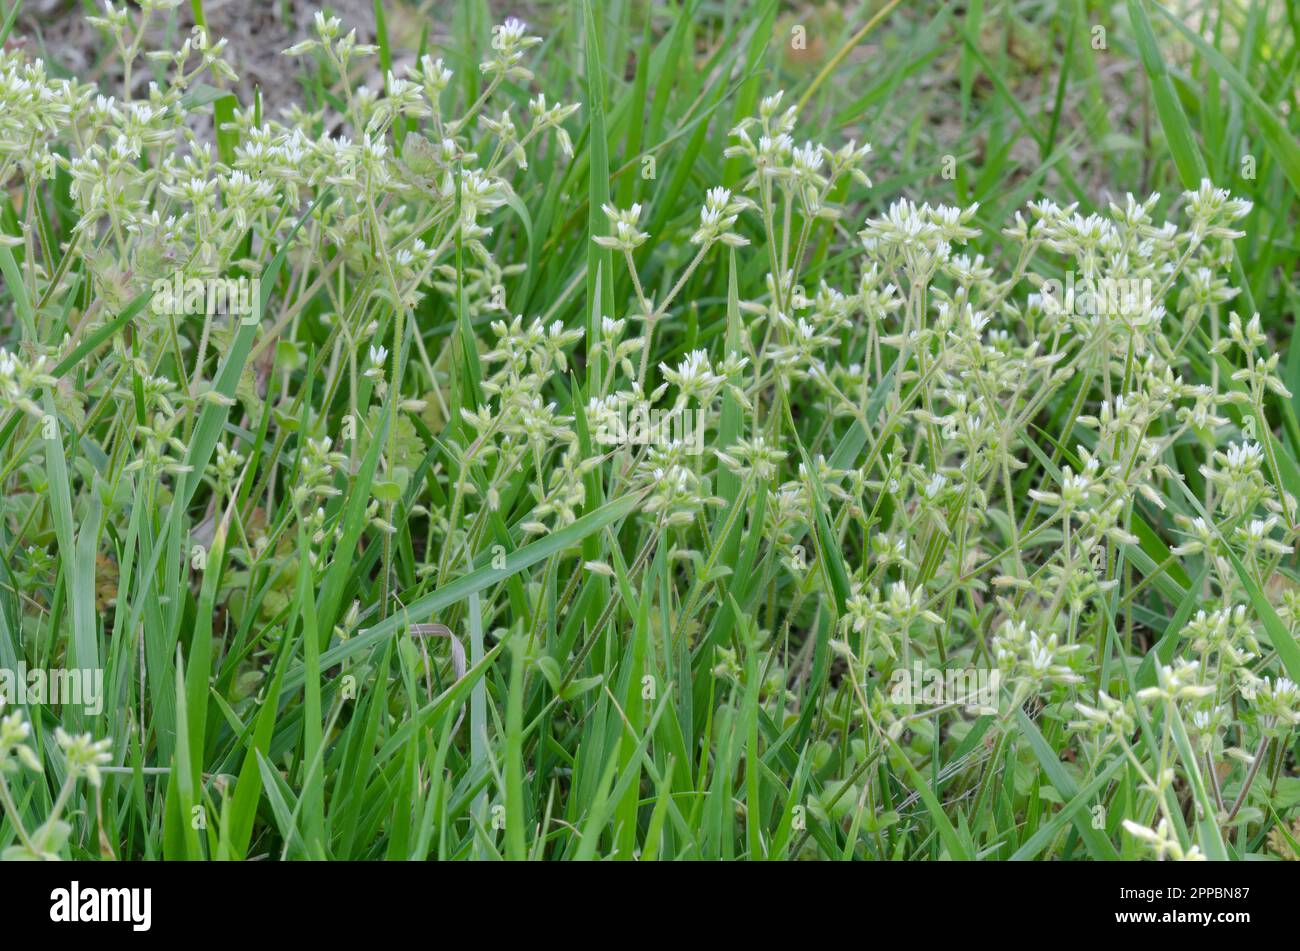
[626, 236]
[1163, 842]
[83, 754]
[694, 377]
[718, 217]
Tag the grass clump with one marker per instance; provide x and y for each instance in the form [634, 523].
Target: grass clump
[420, 477]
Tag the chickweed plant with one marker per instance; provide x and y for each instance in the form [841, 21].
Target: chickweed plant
[364, 582]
